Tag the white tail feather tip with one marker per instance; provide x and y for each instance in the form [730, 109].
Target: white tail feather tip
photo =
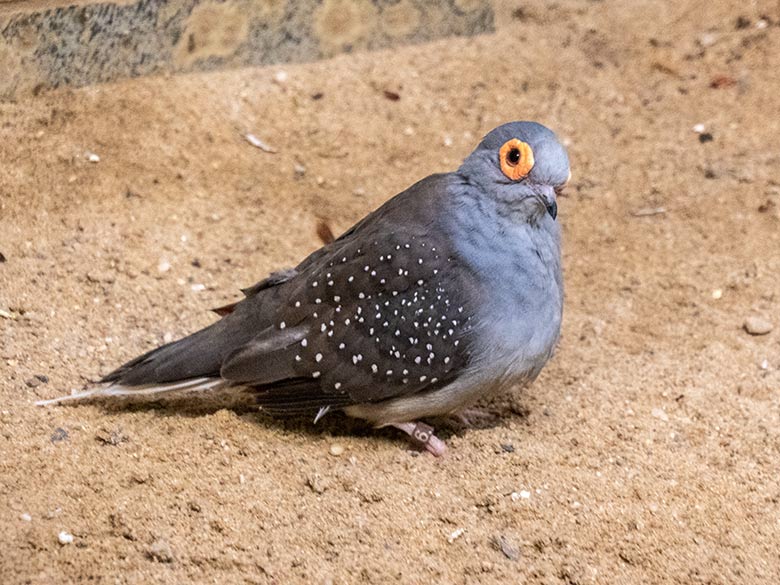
[118, 390]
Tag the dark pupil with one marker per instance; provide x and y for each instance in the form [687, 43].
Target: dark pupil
[513, 157]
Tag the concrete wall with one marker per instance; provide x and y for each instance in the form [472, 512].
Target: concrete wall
[50, 43]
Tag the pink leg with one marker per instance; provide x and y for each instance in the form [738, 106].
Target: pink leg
[422, 435]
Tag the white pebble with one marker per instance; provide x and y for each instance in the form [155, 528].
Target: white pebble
[708, 39]
[661, 414]
[25, 517]
[65, 537]
[163, 266]
[456, 534]
[698, 128]
[336, 450]
[521, 495]
[92, 157]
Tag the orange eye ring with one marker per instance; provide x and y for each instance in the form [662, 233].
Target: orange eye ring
[516, 158]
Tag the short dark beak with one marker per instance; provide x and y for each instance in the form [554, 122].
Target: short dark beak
[552, 209]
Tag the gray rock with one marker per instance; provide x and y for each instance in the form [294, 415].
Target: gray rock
[160, 551]
[757, 325]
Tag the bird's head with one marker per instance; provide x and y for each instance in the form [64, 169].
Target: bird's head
[522, 166]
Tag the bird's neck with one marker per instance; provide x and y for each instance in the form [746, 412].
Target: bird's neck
[497, 240]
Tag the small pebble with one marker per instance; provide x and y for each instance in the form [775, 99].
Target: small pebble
[92, 157]
[757, 325]
[160, 551]
[660, 413]
[508, 549]
[25, 517]
[316, 483]
[163, 266]
[717, 294]
[198, 287]
[455, 535]
[765, 364]
[708, 39]
[336, 450]
[58, 435]
[698, 128]
[521, 495]
[65, 537]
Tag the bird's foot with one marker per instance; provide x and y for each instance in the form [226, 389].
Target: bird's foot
[422, 435]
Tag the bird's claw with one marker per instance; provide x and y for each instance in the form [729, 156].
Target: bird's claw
[422, 435]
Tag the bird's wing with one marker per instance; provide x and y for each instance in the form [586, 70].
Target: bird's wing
[379, 319]
[379, 313]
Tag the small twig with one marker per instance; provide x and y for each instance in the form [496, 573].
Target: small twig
[334, 154]
[255, 141]
[648, 211]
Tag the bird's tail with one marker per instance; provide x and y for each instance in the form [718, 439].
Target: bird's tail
[191, 364]
[111, 390]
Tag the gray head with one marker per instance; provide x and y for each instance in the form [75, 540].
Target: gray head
[521, 165]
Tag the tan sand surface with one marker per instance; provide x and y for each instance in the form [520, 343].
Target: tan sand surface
[647, 452]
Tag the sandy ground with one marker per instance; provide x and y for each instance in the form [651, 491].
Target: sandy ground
[647, 452]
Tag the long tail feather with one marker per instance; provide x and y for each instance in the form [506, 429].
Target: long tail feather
[118, 390]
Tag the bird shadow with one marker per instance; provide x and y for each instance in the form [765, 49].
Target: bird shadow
[492, 414]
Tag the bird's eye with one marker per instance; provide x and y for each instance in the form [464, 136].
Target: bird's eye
[516, 158]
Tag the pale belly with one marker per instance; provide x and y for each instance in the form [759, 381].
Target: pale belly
[512, 346]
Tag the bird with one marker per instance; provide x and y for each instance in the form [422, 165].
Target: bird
[448, 293]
